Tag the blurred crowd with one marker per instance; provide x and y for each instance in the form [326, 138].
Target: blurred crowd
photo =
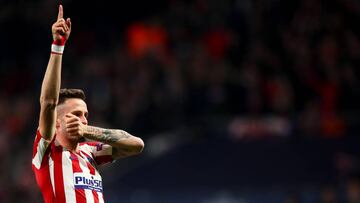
[256, 67]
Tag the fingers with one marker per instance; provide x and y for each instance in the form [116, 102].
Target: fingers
[72, 125]
[71, 118]
[69, 115]
[72, 130]
[72, 121]
[68, 23]
[60, 13]
[61, 26]
[62, 23]
[74, 134]
[60, 30]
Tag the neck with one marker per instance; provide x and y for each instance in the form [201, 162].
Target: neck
[70, 145]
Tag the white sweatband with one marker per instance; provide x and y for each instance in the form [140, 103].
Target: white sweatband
[57, 49]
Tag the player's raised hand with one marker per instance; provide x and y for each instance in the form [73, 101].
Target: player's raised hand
[61, 29]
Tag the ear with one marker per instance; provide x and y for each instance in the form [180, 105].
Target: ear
[57, 124]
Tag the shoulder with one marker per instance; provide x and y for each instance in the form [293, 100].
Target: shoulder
[40, 142]
[91, 146]
[41, 149]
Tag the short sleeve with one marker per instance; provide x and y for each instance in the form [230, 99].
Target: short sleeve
[101, 152]
[40, 150]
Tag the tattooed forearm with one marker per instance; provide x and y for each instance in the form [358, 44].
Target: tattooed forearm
[123, 144]
[108, 136]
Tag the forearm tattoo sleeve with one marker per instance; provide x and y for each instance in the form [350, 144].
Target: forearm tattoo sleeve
[108, 136]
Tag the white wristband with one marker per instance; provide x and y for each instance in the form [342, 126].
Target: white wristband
[57, 49]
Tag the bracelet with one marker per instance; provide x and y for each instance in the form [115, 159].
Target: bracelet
[58, 46]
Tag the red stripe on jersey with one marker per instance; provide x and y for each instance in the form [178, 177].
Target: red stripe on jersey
[89, 165]
[42, 175]
[92, 172]
[36, 142]
[96, 197]
[57, 153]
[79, 193]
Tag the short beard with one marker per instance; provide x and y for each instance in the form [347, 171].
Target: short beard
[82, 139]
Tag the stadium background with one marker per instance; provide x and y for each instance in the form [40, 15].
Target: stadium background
[239, 101]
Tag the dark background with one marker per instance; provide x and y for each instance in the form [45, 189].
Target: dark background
[237, 101]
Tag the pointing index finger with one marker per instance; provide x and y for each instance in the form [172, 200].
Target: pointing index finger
[60, 13]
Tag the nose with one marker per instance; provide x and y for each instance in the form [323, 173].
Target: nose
[83, 120]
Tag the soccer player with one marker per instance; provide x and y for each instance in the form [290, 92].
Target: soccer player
[65, 166]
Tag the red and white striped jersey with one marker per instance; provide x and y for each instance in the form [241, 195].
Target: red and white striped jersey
[67, 177]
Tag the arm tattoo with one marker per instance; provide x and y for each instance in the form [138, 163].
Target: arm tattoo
[108, 136]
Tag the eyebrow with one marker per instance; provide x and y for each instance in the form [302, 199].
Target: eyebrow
[86, 114]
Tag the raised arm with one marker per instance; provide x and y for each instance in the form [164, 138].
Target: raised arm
[51, 83]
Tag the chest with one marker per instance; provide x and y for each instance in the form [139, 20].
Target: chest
[83, 170]
[80, 162]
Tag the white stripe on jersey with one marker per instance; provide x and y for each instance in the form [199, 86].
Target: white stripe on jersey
[101, 198]
[100, 194]
[85, 154]
[67, 177]
[51, 171]
[85, 169]
[41, 148]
